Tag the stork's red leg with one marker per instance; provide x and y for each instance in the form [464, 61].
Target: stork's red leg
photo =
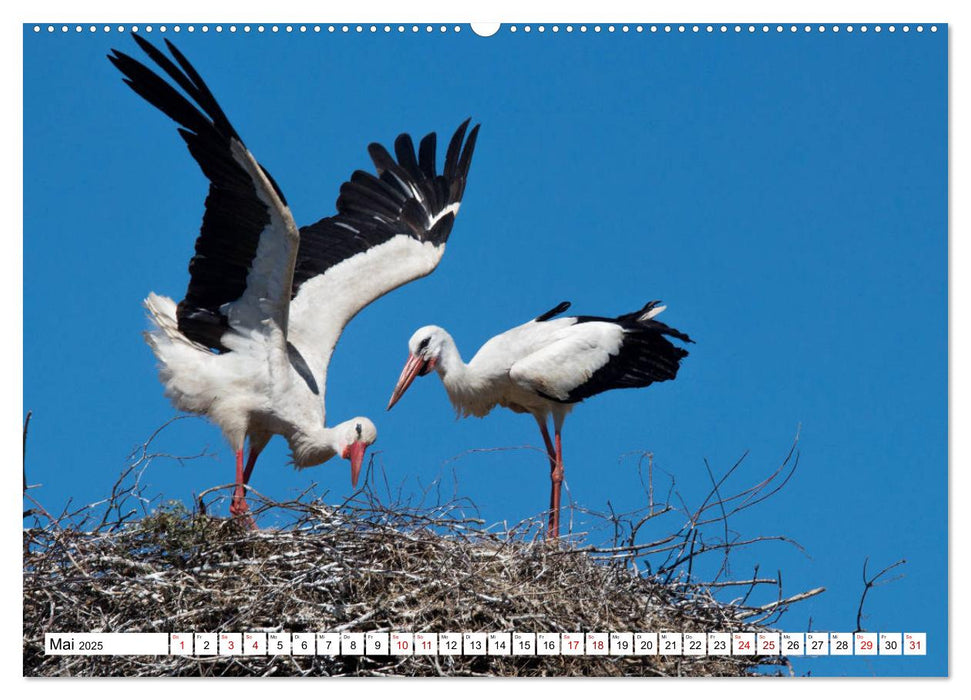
[238, 505]
[250, 463]
[551, 453]
[549, 446]
[556, 477]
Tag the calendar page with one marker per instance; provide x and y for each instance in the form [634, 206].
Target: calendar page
[514, 349]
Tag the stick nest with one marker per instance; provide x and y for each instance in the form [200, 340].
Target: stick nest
[127, 564]
[350, 568]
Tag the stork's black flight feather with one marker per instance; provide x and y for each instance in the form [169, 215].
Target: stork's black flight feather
[234, 216]
[406, 198]
[645, 355]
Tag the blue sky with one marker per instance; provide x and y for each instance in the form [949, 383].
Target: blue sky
[784, 194]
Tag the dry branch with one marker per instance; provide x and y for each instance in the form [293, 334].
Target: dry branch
[871, 582]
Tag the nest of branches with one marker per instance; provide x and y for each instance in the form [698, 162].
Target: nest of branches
[126, 565]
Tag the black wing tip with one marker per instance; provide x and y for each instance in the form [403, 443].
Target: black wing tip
[404, 140]
[464, 126]
[145, 44]
[463, 135]
[459, 148]
[121, 60]
[152, 51]
[459, 134]
[408, 191]
[473, 132]
[379, 156]
[466, 158]
[192, 88]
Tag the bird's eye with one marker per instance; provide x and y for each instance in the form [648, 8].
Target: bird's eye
[358, 428]
[424, 344]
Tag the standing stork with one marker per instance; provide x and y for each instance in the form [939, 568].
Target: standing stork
[250, 343]
[545, 367]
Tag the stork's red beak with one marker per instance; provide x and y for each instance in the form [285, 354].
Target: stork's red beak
[414, 367]
[355, 453]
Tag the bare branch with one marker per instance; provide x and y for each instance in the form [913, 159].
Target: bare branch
[26, 424]
[872, 582]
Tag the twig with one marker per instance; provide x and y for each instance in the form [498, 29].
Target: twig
[779, 603]
[26, 424]
[869, 583]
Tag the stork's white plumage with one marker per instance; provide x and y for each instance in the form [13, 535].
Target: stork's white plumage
[250, 343]
[546, 366]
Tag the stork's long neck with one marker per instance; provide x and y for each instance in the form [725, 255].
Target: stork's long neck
[465, 387]
[312, 445]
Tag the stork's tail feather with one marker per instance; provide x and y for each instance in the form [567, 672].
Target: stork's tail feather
[162, 313]
[645, 319]
[650, 310]
[161, 310]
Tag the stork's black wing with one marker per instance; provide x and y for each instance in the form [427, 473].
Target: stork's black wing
[390, 228]
[405, 198]
[244, 207]
[644, 356]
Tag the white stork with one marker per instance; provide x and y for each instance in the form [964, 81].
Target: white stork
[546, 366]
[250, 343]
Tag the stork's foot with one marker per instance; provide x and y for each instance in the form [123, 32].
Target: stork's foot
[239, 508]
